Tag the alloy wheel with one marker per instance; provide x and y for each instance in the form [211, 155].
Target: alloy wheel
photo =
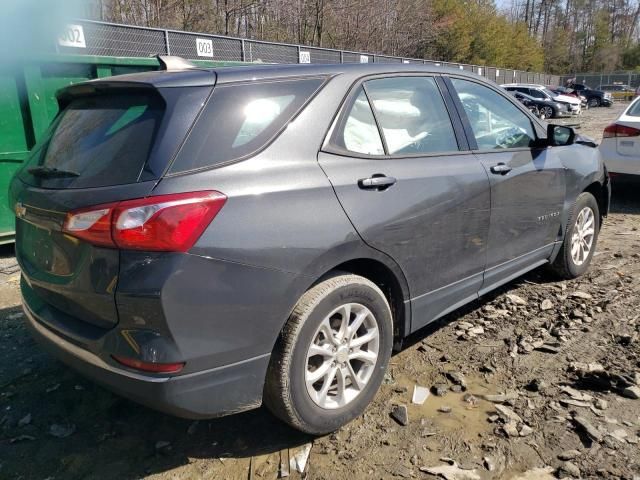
[342, 356]
[583, 235]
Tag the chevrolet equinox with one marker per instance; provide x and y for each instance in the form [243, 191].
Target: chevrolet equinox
[205, 240]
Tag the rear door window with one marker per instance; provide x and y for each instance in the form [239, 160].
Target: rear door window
[97, 141]
[360, 133]
[241, 119]
[412, 115]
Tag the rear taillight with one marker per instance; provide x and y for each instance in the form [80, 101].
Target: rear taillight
[169, 223]
[615, 130]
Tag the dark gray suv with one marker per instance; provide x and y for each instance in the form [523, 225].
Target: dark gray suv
[202, 240]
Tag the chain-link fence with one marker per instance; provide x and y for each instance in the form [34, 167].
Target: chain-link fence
[101, 38]
[595, 80]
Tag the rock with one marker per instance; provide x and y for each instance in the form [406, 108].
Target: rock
[525, 430]
[456, 388]
[464, 325]
[568, 469]
[511, 429]
[569, 455]
[515, 299]
[576, 394]
[400, 414]
[620, 434]
[458, 379]
[573, 403]
[581, 295]
[489, 463]
[193, 427]
[472, 400]
[451, 472]
[548, 348]
[440, 389]
[476, 330]
[587, 427]
[444, 409]
[22, 438]
[163, 447]
[586, 367]
[632, 392]
[62, 431]
[26, 420]
[53, 388]
[501, 397]
[493, 418]
[507, 413]
[546, 304]
[545, 473]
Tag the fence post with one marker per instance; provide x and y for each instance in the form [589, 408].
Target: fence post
[341, 56]
[166, 42]
[243, 54]
[298, 48]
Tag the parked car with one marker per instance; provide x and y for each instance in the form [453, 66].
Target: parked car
[203, 240]
[618, 91]
[595, 98]
[542, 109]
[559, 90]
[567, 105]
[620, 146]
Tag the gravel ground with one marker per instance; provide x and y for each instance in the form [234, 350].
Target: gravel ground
[538, 381]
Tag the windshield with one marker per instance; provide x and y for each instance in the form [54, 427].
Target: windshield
[96, 141]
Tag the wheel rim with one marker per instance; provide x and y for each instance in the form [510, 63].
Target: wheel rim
[342, 356]
[583, 234]
[547, 112]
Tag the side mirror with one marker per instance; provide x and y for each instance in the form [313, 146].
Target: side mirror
[559, 135]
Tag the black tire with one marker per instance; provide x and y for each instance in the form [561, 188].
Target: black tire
[286, 394]
[593, 102]
[564, 265]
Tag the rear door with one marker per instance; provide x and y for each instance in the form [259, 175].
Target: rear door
[402, 171]
[106, 145]
[527, 182]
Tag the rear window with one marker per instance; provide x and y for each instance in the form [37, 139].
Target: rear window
[240, 119]
[97, 141]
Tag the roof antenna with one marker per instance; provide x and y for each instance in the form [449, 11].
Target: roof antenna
[172, 62]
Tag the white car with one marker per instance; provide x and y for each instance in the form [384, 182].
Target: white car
[620, 147]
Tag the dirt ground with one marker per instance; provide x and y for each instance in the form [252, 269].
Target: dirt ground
[540, 378]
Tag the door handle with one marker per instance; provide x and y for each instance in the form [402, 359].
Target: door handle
[377, 181]
[501, 169]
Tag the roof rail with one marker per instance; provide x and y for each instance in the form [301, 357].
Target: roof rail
[172, 62]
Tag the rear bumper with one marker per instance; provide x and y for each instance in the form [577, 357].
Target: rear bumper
[205, 394]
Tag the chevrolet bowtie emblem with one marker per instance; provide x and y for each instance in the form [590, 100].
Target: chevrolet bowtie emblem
[20, 210]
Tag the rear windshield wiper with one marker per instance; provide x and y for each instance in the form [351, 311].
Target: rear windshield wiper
[49, 172]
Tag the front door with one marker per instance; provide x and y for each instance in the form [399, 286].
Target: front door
[412, 188]
[527, 182]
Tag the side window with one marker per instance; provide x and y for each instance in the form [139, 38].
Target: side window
[537, 94]
[496, 122]
[360, 133]
[412, 115]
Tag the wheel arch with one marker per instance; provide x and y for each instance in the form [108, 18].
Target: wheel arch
[392, 283]
[600, 192]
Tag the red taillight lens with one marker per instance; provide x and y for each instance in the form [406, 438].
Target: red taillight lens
[615, 130]
[149, 366]
[171, 223]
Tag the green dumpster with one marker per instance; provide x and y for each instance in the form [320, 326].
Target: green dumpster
[28, 104]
